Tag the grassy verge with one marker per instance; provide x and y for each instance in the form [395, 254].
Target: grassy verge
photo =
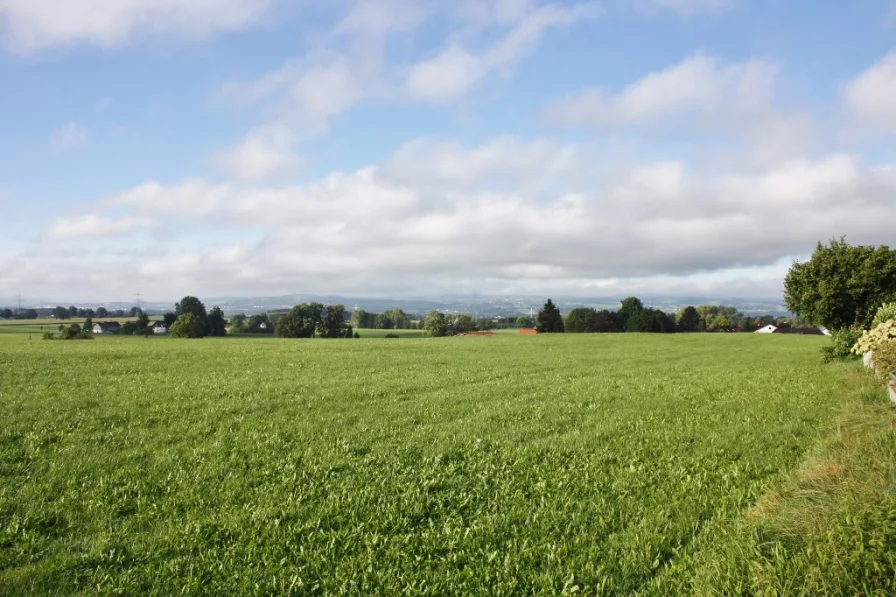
[828, 528]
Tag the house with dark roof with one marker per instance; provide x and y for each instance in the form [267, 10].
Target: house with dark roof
[106, 327]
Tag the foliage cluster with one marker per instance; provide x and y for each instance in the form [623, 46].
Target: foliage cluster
[842, 285]
[840, 346]
[886, 312]
[871, 340]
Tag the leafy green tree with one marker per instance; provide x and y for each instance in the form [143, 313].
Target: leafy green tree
[187, 325]
[435, 325]
[332, 323]
[581, 321]
[260, 323]
[88, 324]
[135, 312]
[653, 321]
[462, 323]
[360, 318]
[381, 321]
[238, 323]
[525, 322]
[549, 320]
[60, 313]
[72, 311]
[6, 313]
[841, 285]
[298, 323]
[142, 322]
[192, 305]
[102, 312]
[630, 309]
[27, 314]
[217, 323]
[606, 322]
[688, 319]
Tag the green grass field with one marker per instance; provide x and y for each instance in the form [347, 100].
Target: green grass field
[506, 465]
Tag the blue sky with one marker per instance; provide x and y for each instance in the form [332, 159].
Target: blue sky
[393, 147]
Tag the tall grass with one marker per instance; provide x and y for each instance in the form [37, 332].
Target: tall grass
[498, 466]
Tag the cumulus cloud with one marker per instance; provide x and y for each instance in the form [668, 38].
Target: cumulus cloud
[266, 151]
[34, 25]
[95, 226]
[698, 86]
[871, 96]
[68, 137]
[373, 230]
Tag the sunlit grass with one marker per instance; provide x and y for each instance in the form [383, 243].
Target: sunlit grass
[496, 465]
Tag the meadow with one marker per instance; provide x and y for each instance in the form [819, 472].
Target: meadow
[506, 465]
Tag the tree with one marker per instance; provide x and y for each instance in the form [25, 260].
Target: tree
[298, 323]
[60, 313]
[6, 313]
[359, 318]
[462, 323]
[88, 324]
[333, 322]
[688, 319]
[631, 307]
[524, 321]
[260, 324]
[841, 285]
[27, 314]
[435, 325]
[102, 312]
[381, 321]
[217, 324]
[606, 322]
[580, 321]
[192, 305]
[135, 312]
[238, 323]
[73, 311]
[169, 318]
[651, 321]
[142, 322]
[549, 320]
[187, 325]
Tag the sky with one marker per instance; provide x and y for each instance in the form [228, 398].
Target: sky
[409, 148]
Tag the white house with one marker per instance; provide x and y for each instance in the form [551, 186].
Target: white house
[769, 329]
[159, 327]
[106, 327]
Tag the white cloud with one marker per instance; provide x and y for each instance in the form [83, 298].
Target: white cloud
[383, 229]
[68, 137]
[266, 150]
[455, 71]
[691, 6]
[872, 96]
[95, 226]
[698, 86]
[34, 25]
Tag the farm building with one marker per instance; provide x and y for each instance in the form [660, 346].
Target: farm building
[528, 332]
[159, 327]
[106, 327]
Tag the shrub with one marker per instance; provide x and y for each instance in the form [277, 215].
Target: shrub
[872, 339]
[357, 335]
[841, 345]
[885, 312]
[885, 359]
[391, 336]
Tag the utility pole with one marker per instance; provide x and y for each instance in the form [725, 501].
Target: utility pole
[138, 299]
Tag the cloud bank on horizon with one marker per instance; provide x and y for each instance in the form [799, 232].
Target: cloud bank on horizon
[394, 147]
